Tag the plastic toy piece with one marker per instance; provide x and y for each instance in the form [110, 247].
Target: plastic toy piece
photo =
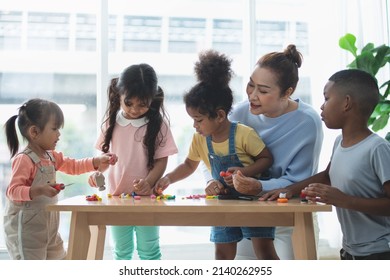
[100, 182]
[109, 195]
[152, 196]
[282, 198]
[137, 197]
[211, 196]
[93, 197]
[303, 198]
[283, 195]
[166, 196]
[197, 196]
[61, 186]
[225, 173]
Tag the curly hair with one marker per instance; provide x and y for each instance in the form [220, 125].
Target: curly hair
[212, 92]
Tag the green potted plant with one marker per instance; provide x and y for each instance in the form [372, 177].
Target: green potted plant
[372, 59]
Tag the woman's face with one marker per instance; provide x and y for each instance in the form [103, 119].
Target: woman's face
[264, 94]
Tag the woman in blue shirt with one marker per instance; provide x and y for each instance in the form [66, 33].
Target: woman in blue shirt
[290, 128]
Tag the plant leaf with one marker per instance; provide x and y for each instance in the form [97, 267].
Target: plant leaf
[347, 42]
[380, 122]
[368, 48]
[365, 62]
[388, 136]
[381, 57]
[387, 91]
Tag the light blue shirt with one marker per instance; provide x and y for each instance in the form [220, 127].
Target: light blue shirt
[361, 170]
[294, 139]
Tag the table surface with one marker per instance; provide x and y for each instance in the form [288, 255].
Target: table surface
[90, 218]
[146, 204]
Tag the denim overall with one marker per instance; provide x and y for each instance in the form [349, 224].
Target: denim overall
[31, 231]
[222, 163]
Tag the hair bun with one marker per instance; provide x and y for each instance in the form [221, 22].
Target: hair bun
[213, 69]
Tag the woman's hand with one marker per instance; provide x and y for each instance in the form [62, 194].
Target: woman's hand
[274, 194]
[228, 175]
[246, 185]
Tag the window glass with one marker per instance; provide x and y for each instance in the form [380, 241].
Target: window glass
[10, 30]
[185, 34]
[42, 49]
[141, 33]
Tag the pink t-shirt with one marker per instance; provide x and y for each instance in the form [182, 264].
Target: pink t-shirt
[127, 144]
[24, 170]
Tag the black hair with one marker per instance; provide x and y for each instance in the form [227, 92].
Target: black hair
[137, 81]
[361, 86]
[33, 112]
[212, 92]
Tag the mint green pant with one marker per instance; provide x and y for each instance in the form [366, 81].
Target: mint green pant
[147, 238]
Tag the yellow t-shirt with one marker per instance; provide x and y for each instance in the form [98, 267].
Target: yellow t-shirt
[248, 145]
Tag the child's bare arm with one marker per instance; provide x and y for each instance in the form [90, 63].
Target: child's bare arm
[179, 173]
[331, 195]
[157, 171]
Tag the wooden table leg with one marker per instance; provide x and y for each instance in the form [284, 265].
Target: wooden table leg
[303, 237]
[79, 236]
[96, 244]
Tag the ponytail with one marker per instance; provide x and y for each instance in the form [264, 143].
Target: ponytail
[12, 136]
[112, 110]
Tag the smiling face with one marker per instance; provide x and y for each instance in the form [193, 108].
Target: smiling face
[264, 94]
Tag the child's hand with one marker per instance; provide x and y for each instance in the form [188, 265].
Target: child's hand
[324, 193]
[227, 177]
[215, 187]
[46, 190]
[142, 187]
[101, 162]
[161, 185]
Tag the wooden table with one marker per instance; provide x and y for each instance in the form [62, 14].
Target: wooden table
[90, 218]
